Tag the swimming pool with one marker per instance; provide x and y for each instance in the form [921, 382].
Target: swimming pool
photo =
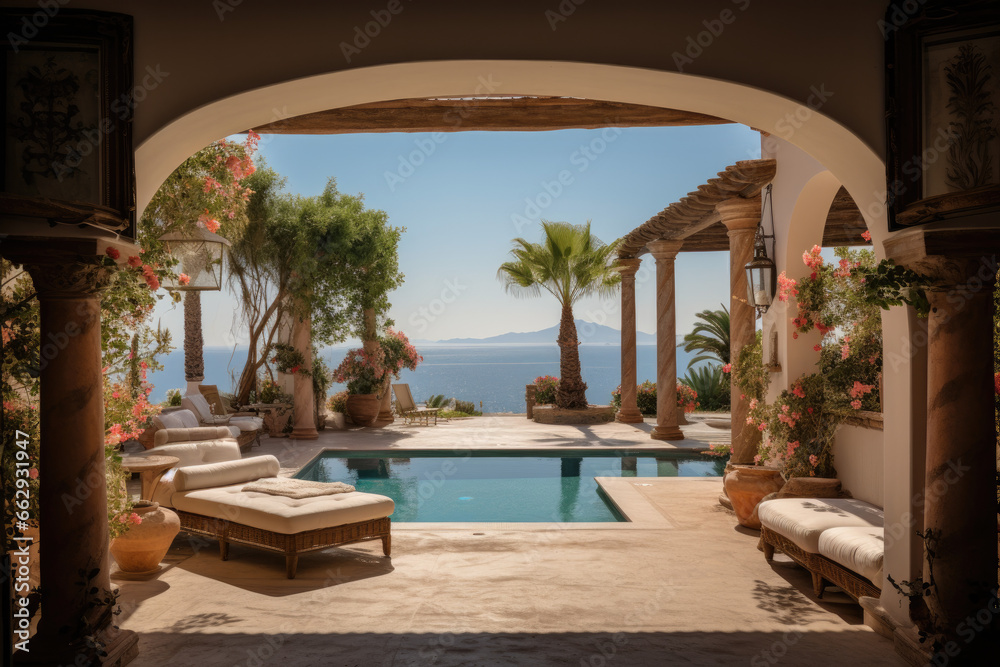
[510, 486]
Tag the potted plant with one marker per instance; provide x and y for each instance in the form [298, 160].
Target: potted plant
[364, 373]
[337, 407]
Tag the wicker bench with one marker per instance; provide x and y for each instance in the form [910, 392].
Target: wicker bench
[210, 500]
[839, 540]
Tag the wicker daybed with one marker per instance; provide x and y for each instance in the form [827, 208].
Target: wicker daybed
[210, 500]
[839, 540]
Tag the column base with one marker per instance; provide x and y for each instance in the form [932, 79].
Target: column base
[122, 648]
[629, 417]
[304, 434]
[667, 433]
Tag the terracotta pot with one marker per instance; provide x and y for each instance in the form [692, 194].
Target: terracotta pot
[746, 486]
[363, 408]
[141, 549]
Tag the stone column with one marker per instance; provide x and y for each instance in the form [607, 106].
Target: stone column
[960, 561]
[304, 427]
[73, 513]
[740, 216]
[666, 341]
[629, 411]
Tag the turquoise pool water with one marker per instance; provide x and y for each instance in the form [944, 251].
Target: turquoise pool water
[514, 486]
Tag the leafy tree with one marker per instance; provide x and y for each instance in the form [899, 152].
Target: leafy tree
[570, 263]
[710, 337]
[326, 256]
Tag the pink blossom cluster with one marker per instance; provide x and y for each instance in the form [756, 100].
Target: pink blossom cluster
[812, 258]
[786, 287]
[858, 391]
[131, 519]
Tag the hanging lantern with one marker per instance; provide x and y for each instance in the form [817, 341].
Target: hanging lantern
[199, 254]
[762, 276]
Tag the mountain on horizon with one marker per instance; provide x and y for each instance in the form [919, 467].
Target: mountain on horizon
[589, 333]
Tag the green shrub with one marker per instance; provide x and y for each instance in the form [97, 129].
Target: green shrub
[712, 386]
[337, 402]
[468, 407]
[546, 386]
[173, 398]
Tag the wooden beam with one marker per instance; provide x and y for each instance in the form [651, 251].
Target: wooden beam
[495, 114]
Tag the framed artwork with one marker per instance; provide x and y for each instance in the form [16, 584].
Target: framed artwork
[67, 118]
[943, 112]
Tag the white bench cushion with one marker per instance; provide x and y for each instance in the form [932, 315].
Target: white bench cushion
[279, 514]
[803, 520]
[211, 475]
[177, 419]
[247, 423]
[860, 550]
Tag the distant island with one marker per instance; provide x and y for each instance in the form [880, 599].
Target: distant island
[589, 333]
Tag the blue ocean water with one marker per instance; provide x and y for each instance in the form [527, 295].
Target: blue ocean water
[527, 486]
[492, 374]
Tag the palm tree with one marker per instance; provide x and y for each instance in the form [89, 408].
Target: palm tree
[710, 337]
[569, 263]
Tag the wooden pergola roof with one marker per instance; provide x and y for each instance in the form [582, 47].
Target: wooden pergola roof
[489, 113]
[695, 220]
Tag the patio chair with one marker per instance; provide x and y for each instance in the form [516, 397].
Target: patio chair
[247, 419]
[245, 429]
[410, 410]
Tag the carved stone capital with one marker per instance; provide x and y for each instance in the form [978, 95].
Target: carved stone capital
[664, 249]
[955, 258]
[628, 266]
[739, 213]
[65, 268]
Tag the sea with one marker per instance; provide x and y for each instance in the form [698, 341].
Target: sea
[491, 376]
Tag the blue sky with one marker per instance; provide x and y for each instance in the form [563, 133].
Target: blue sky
[463, 196]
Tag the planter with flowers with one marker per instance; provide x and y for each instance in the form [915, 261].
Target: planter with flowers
[841, 301]
[645, 399]
[364, 373]
[399, 354]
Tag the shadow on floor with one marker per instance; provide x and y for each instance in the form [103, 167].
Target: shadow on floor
[797, 646]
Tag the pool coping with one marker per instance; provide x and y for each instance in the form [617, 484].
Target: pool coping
[624, 492]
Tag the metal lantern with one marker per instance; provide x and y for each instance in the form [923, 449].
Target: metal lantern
[199, 254]
[762, 276]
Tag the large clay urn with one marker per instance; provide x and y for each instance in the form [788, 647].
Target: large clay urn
[362, 408]
[746, 485]
[140, 550]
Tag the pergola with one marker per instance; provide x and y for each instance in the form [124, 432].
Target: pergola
[720, 215]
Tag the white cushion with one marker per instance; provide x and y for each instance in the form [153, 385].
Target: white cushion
[177, 419]
[860, 550]
[247, 423]
[198, 453]
[803, 520]
[200, 404]
[280, 514]
[234, 430]
[225, 473]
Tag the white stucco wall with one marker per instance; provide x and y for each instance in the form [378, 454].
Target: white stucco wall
[858, 457]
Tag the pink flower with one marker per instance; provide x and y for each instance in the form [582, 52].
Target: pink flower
[728, 368]
[134, 261]
[866, 235]
[756, 458]
[134, 519]
[845, 351]
[33, 473]
[112, 252]
[809, 410]
[813, 460]
[115, 394]
[799, 391]
[786, 287]
[760, 427]
[818, 347]
[183, 279]
[856, 404]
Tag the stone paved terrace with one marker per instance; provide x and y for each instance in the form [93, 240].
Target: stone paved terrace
[682, 585]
